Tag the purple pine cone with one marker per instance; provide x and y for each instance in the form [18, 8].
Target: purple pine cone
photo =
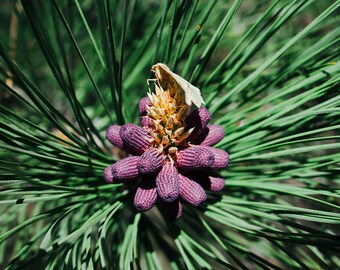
[167, 183]
[112, 134]
[146, 121]
[144, 103]
[190, 190]
[210, 135]
[108, 177]
[169, 164]
[146, 195]
[135, 138]
[150, 161]
[125, 168]
[198, 119]
[221, 158]
[195, 158]
[173, 210]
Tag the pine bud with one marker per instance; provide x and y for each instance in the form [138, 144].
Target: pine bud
[112, 134]
[194, 158]
[108, 177]
[190, 190]
[150, 161]
[167, 183]
[197, 119]
[144, 103]
[135, 138]
[146, 195]
[211, 135]
[125, 168]
[216, 183]
[146, 121]
[221, 158]
[213, 182]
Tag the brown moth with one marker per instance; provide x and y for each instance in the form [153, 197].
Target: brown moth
[165, 76]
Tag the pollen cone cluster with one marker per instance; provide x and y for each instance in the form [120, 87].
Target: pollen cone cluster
[172, 158]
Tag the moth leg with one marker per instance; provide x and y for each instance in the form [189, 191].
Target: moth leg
[150, 80]
[148, 83]
[155, 81]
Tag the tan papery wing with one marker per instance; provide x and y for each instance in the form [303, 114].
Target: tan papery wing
[192, 94]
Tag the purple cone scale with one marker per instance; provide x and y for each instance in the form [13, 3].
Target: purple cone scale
[167, 183]
[216, 183]
[190, 190]
[168, 171]
[146, 121]
[135, 138]
[150, 161]
[221, 158]
[112, 135]
[125, 168]
[212, 182]
[195, 158]
[108, 175]
[197, 119]
[144, 103]
[145, 196]
[210, 135]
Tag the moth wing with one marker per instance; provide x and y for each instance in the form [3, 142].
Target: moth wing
[191, 93]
